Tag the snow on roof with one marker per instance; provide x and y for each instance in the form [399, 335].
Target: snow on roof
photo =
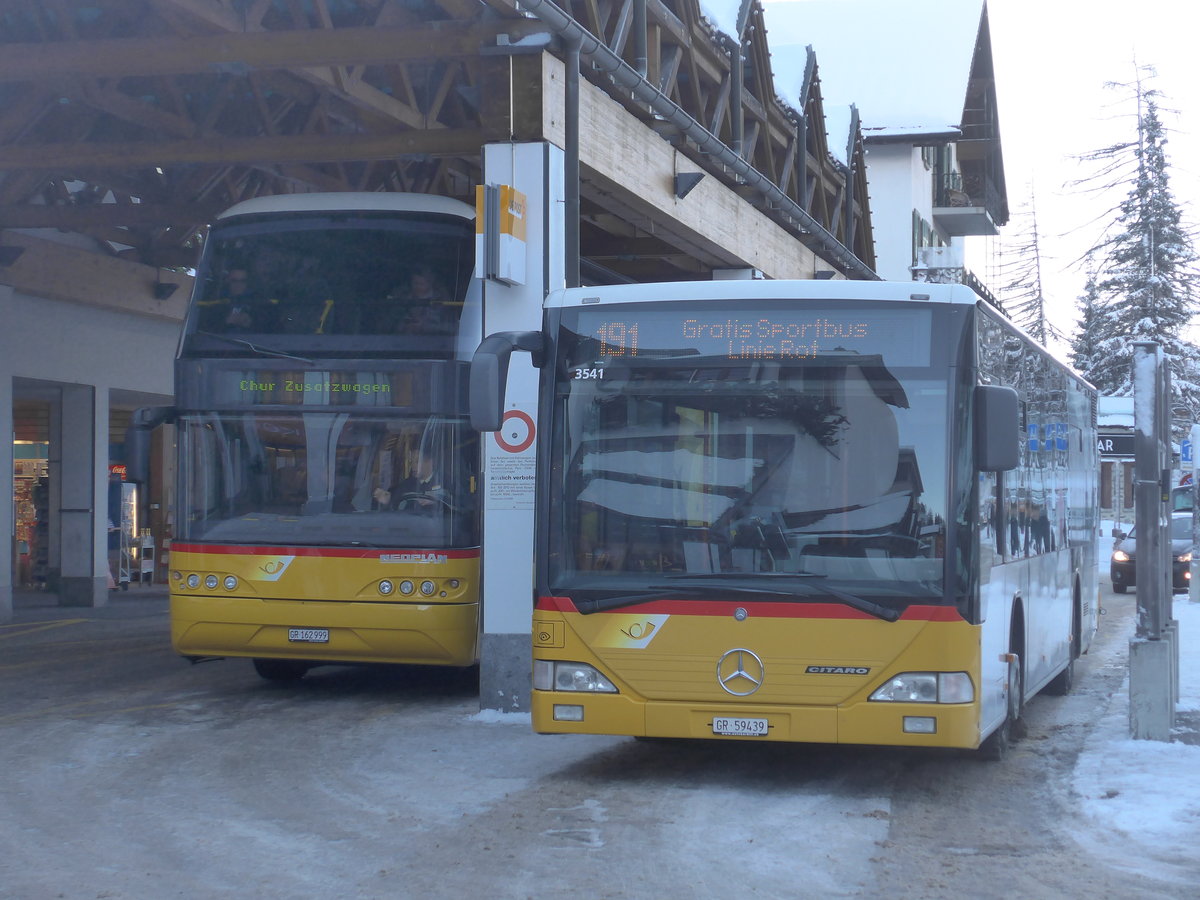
[722, 14]
[1114, 411]
[904, 65]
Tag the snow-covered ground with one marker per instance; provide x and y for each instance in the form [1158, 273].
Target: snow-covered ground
[1141, 799]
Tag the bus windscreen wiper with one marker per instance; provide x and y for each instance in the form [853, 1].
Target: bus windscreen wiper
[870, 607]
[602, 604]
[261, 351]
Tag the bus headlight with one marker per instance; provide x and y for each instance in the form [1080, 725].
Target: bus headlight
[926, 687]
[427, 588]
[386, 587]
[211, 581]
[193, 580]
[551, 675]
[230, 582]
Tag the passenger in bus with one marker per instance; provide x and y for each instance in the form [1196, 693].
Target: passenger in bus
[239, 307]
[423, 306]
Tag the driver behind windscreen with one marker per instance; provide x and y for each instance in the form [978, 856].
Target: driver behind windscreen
[422, 490]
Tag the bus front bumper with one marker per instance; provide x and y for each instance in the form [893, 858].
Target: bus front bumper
[887, 724]
[325, 631]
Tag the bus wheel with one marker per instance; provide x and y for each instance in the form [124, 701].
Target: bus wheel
[995, 746]
[280, 669]
[1060, 684]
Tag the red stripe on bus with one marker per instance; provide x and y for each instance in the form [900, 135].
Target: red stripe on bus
[764, 610]
[330, 552]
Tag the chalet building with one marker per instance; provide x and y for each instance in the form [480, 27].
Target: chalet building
[921, 85]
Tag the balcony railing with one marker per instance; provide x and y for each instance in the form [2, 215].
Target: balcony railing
[959, 190]
[950, 274]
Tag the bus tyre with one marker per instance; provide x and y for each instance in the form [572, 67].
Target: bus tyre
[280, 669]
[1060, 685]
[995, 746]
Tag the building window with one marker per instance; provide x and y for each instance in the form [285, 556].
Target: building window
[1106, 485]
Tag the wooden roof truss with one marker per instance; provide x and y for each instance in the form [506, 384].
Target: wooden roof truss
[134, 121]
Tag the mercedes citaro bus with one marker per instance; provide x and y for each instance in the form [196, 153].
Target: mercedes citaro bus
[838, 512]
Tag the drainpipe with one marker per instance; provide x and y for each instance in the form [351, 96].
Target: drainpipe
[641, 57]
[737, 86]
[607, 62]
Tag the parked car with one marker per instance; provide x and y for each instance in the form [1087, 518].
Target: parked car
[1123, 567]
[1181, 498]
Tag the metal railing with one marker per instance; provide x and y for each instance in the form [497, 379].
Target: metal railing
[958, 189]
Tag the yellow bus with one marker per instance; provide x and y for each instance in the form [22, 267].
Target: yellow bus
[836, 512]
[326, 509]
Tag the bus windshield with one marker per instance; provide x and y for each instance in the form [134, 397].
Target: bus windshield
[714, 456]
[329, 479]
[356, 274]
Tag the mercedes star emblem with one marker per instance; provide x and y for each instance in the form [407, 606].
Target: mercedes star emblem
[740, 672]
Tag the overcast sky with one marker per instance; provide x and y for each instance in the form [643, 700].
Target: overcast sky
[1052, 59]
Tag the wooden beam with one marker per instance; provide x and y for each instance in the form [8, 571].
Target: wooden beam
[241, 52]
[61, 272]
[309, 148]
[77, 218]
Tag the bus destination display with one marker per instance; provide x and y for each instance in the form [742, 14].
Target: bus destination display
[901, 336]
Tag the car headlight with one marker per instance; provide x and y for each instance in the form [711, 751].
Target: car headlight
[551, 675]
[1120, 556]
[1185, 557]
[926, 687]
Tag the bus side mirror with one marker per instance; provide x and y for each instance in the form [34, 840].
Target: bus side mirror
[997, 428]
[137, 439]
[489, 374]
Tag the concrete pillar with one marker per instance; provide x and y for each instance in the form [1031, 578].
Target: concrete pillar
[536, 170]
[10, 525]
[83, 497]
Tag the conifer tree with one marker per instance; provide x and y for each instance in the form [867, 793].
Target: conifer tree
[1083, 343]
[1145, 268]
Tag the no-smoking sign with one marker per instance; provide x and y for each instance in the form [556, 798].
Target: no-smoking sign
[517, 431]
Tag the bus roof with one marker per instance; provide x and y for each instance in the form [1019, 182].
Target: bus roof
[734, 289]
[348, 200]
